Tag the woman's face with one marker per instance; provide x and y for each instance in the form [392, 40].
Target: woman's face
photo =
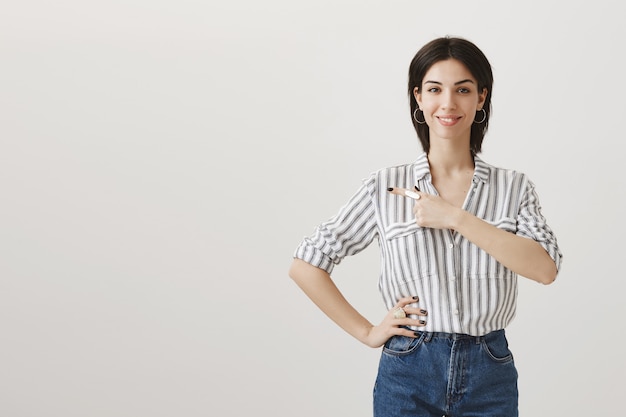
[449, 98]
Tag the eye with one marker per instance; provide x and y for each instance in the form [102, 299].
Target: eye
[463, 90]
[433, 90]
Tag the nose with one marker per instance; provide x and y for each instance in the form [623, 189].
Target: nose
[448, 102]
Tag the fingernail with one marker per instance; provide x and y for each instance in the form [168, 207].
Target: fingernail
[422, 322]
[417, 334]
[416, 298]
[417, 188]
[423, 312]
[390, 189]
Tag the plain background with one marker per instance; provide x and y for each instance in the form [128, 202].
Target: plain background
[161, 160]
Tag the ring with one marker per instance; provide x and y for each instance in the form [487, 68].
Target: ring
[399, 313]
[412, 195]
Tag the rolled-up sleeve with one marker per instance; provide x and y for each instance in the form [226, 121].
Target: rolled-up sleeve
[347, 233]
[532, 224]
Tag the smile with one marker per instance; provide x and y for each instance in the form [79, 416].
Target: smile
[448, 120]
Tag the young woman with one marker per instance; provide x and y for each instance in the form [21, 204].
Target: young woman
[454, 233]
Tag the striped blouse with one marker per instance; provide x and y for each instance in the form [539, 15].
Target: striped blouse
[463, 288]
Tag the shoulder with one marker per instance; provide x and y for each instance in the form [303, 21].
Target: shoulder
[495, 174]
[505, 181]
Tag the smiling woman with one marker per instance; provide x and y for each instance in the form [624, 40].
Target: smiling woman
[454, 234]
[449, 99]
[468, 73]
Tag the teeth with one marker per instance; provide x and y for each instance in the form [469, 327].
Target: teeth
[446, 119]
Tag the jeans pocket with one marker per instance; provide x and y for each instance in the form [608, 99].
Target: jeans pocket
[402, 345]
[497, 349]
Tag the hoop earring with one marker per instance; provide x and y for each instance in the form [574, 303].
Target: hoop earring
[483, 119]
[415, 115]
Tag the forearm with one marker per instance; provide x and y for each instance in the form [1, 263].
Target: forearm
[521, 255]
[320, 288]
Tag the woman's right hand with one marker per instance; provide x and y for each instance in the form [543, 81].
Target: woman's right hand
[392, 326]
[320, 288]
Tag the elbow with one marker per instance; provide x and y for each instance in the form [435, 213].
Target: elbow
[292, 270]
[547, 280]
[548, 275]
[295, 270]
[302, 272]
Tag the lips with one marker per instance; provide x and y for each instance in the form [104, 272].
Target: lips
[448, 120]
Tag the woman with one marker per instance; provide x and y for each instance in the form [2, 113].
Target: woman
[454, 233]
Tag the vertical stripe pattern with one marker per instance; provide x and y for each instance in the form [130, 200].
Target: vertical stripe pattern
[464, 289]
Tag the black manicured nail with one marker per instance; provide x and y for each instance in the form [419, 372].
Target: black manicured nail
[390, 189]
[423, 312]
[422, 322]
[417, 334]
[417, 188]
[416, 298]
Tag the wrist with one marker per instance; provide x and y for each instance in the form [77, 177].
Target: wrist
[456, 219]
[365, 333]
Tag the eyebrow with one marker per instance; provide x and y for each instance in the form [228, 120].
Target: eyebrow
[456, 83]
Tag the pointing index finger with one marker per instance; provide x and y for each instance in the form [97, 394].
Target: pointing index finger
[404, 192]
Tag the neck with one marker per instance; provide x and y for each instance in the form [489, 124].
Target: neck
[451, 159]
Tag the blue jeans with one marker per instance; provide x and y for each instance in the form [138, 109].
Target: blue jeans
[441, 374]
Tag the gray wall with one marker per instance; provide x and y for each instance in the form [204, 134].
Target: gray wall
[160, 161]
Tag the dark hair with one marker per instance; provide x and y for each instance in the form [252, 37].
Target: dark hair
[476, 62]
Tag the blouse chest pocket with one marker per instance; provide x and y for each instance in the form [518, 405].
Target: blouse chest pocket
[409, 251]
[397, 230]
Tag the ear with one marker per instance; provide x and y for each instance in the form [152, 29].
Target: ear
[418, 96]
[481, 99]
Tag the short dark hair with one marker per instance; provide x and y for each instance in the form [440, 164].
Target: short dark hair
[474, 59]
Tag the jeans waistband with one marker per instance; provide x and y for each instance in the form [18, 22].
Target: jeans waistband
[428, 336]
